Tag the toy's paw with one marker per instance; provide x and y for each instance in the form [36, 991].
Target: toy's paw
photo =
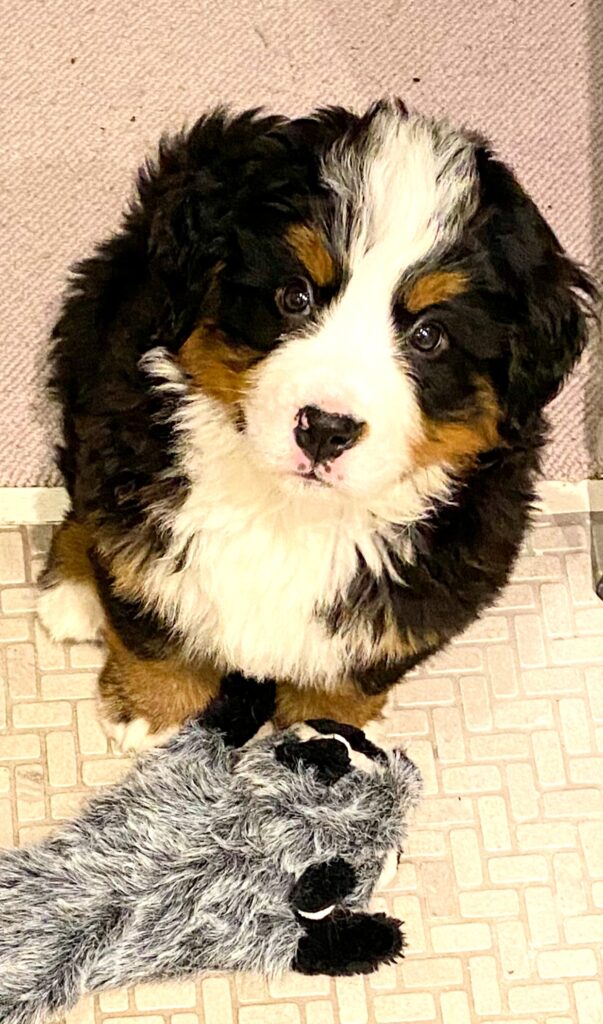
[321, 887]
[348, 944]
[242, 706]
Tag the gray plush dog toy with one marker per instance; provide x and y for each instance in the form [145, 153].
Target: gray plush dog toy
[208, 856]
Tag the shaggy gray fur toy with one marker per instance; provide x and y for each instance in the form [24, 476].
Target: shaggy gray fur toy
[210, 857]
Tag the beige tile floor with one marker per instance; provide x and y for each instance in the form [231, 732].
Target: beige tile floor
[501, 887]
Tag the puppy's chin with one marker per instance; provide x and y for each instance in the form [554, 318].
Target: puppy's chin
[317, 492]
[324, 486]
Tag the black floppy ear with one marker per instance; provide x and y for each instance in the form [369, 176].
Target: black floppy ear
[550, 297]
[344, 944]
[187, 235]
[550, 342]
[196, 185]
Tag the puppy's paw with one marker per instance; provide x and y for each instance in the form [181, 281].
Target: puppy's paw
[135, 736]
[71, 610]
[241, 708]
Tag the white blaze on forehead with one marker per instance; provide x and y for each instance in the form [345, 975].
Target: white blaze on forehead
[401, 195]
[405, 192]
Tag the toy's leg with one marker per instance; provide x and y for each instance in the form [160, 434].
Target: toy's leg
[145, 700]
[346, 704]
[68, 603]
[337, 941]
[348, 944]
[321, 886]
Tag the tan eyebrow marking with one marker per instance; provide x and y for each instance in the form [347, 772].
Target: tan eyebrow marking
[309, 246]
[435, 287]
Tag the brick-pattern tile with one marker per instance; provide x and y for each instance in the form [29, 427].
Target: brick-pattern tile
[455, 1008]
[165, 996]
[501, 883]
[12, 557]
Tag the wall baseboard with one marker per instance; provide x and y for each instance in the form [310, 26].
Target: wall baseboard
[33, 505]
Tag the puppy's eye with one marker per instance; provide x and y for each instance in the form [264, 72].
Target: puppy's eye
[296, 298]
[428, 339]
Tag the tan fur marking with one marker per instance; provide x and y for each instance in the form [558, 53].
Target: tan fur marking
[219, 369]
[68, 557]
[127, 569]
[457, 443]
[436, 287]
[394, 645]
[308, 245]
[347, 704]
[165, 692]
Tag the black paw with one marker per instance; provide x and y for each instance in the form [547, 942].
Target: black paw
[348, 944]
[242, 706]
[323, 884]
[329, 758]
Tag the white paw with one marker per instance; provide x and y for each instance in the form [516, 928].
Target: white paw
[71, 611]
[378, 729]
[135, 736]
[265, 730]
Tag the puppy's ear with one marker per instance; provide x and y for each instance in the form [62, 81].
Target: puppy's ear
[196, 185]
[187, 235]
[550, 342]
[551, 297]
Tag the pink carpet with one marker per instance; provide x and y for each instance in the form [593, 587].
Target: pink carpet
[87, 88]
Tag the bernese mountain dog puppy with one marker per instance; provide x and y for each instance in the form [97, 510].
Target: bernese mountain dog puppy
[302, 395]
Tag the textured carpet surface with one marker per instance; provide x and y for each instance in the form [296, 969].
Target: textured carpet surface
[87, 89]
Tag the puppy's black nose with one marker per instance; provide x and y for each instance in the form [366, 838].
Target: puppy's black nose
[323, 436]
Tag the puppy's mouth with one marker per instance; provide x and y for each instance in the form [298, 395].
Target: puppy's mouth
[310, 477]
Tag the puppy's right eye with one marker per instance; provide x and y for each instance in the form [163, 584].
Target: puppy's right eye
[429, 339]
[295, 298]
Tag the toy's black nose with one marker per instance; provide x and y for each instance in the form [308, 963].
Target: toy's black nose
[323, 436]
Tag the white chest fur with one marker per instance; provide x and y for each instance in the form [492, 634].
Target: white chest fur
[253, 582]
[253, 561]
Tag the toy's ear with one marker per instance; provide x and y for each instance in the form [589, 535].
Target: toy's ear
[328, 757]
[550, 298]
[357, 740]
[321, 887]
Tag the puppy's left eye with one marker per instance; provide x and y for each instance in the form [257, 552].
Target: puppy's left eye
[296, 298]
[429, 339]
